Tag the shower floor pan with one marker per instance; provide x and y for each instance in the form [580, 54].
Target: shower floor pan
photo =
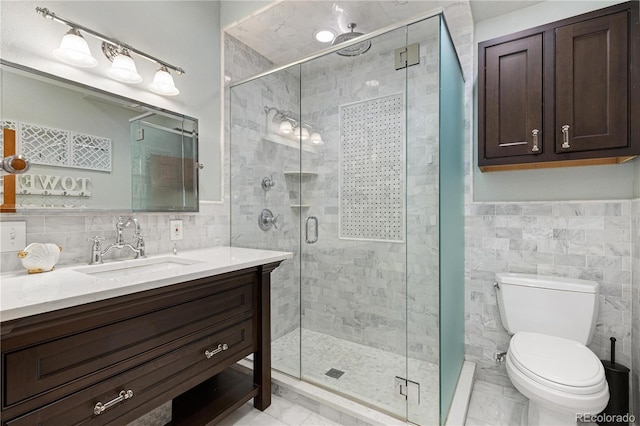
[368, 373]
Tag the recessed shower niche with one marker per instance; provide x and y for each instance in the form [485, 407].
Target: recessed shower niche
[373, 291]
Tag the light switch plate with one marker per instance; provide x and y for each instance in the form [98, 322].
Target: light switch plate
[13, 236]
[176, 230]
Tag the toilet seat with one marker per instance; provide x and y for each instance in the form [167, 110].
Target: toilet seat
[557, 363]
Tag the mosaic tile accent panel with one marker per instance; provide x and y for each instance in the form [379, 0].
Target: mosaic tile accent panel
[372, 169]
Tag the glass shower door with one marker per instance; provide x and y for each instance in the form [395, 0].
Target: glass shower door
[353, 223]
[264, 182]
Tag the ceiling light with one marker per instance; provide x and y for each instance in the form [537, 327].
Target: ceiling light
[163, 83]
[124, 69]
[74, 50]
[324, 35]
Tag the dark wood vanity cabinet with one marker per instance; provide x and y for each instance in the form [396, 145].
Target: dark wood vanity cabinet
[562, 94]
[112, 361]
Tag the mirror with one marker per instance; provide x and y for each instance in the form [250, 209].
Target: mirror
[91, 150]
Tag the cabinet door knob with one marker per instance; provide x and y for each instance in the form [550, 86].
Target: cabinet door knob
[565, 137]
[100, 407]
[535, 133]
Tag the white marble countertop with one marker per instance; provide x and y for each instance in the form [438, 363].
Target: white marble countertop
[23, 294]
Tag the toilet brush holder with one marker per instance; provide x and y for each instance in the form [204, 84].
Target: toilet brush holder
[617, 410]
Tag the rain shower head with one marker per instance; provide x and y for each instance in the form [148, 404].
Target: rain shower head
[356, 49]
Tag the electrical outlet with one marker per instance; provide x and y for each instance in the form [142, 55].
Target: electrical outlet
[13, 236]
[176, 230]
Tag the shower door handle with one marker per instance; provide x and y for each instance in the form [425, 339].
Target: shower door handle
[306, 230]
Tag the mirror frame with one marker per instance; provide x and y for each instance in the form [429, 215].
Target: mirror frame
[94, 91]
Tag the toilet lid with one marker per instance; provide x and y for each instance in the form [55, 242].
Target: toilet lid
[559, 363]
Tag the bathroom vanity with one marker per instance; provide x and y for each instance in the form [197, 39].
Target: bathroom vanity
[106, 344]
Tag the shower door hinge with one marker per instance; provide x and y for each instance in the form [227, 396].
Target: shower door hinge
[407, 56]
[408, 390]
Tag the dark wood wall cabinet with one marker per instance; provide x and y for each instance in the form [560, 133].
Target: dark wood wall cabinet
[112, 361]
[562, 94]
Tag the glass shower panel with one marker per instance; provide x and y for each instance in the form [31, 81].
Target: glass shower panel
[265, 181]
[423, 165]
[452, 220]
[353, 224]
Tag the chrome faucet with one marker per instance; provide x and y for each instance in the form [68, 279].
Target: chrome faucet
[96, 249]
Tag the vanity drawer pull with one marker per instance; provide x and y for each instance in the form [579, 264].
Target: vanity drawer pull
[100, 407]
[221, 347]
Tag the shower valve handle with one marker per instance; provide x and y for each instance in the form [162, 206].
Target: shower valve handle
[266, 220]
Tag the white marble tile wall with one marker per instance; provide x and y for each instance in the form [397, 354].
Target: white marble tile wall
[588, 240]
[207, 228]
[635, 310]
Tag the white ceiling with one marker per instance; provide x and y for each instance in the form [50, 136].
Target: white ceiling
[284, 32]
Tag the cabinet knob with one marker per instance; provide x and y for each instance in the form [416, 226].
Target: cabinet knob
[565, 137]
[535, 133]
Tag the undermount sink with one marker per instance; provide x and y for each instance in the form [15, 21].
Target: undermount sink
[128, 268]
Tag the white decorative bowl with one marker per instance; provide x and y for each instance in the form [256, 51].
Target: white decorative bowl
[39, 257]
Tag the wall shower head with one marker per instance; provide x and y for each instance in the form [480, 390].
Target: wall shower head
[356, 49]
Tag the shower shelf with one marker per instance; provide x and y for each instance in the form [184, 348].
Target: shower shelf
[288, 142]
[300, 206]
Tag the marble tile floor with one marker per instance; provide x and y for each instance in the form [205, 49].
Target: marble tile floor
[368, 372]
[496, 405]
[280, 413]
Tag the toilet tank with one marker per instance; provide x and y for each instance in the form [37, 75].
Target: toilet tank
[556, 306]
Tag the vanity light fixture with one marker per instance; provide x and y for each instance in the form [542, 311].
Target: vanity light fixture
[124, 69]
[163, 83]
[74, 50]
[316, 139]
[290, 126]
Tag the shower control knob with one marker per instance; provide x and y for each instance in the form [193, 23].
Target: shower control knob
[266, 220]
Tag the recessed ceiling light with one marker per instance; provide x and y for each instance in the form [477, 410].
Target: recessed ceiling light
[324, 35]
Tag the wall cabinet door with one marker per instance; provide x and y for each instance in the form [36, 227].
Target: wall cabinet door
[592, 84]
[513, 100]
[561, 94]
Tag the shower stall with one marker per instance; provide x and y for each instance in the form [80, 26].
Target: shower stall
[355, 164]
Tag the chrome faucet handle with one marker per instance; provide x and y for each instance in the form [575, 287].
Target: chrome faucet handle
[96, 250]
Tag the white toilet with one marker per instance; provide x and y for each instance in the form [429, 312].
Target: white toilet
[552, 319]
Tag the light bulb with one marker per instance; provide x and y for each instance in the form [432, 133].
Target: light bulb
[124, 69]
[301, 133]
[163, 83]
[316, 139]
[74, 50]
[285, 127]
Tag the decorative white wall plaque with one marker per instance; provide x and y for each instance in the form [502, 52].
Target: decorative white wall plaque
[62, 148]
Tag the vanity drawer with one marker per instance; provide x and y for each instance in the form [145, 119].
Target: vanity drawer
[152, 383]
[84, 358]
